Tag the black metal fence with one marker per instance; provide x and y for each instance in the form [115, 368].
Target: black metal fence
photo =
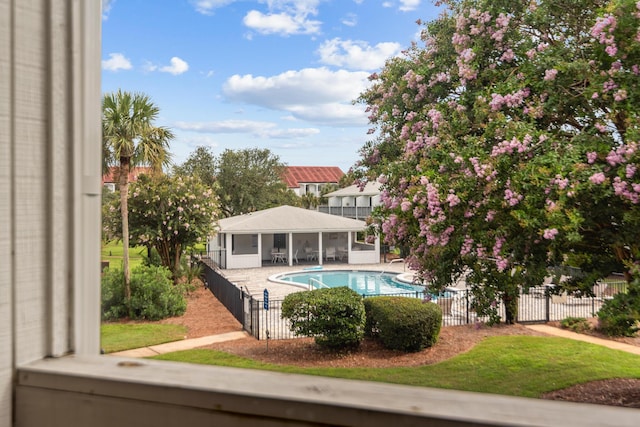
[537, 305]
[226, 292]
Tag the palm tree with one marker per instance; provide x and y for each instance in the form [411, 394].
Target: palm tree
[129, 139]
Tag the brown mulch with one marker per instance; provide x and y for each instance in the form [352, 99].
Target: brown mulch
[207, 316]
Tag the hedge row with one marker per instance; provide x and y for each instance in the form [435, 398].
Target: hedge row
[339, 318]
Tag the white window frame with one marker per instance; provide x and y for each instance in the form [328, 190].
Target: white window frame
[84, 388]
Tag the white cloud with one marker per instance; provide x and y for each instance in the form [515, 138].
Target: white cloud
[314, 94]
[356, 55]
[106, 8]
[409, 5]
[280, 23]
[116, 62]
[256, 128]
[206, 7]
[350, 20]
[178, 66]
[285, 17]
[149, 67]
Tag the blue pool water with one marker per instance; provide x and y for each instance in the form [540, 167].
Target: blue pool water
[363, 282]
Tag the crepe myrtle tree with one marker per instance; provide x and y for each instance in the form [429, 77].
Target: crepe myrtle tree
[507, 142]
[169, 214]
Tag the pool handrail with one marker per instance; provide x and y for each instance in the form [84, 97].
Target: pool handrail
[321, 285]
[391, 262]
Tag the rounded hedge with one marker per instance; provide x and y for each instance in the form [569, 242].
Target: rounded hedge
[333, 316]
[153, 294]
[402, 323]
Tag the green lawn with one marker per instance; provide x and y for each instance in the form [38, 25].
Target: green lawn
[112, 252]
[509, 365]
[118, 337]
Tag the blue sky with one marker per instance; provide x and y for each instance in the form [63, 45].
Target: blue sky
[275, 74]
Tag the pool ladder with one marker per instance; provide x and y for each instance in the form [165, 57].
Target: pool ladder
[391, 262]
[318, 284]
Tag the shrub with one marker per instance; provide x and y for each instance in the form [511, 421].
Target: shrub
[112, 290]
[620, 316]
[401, 323]
[575, 324]
[191, 269]
[333, 316]
[153, 295]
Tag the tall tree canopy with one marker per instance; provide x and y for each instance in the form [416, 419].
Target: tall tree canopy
[201, 164]
[508, 143]
[250, 180]
[130, 138]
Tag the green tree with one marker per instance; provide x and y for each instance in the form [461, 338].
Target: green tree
[309, 200]
[250, 180]
[508, 142]
[129, 138]
[170, 214]
[201, 163]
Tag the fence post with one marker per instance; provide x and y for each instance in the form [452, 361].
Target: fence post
[466, 297]
[547, 298]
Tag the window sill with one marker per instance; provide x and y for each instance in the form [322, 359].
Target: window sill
[107, 390]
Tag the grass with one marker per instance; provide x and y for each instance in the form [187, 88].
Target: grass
[112, 252]
[508, 365]
[118, 337]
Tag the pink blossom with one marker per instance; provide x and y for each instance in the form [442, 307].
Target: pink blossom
[435, 116]
[503, 20]
[609, 85]
[550, 233]
[405, 205]
[615, 157]
[467, 245]
[630, 171]
[550, 74]
[591, 157]
[453, 200]
[498, 245]
[467, 55]
[508, 55]
[620, 95]
[601, 128]
[597, 178]
[501, 263]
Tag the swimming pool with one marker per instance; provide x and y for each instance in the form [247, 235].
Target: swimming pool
[364, 282]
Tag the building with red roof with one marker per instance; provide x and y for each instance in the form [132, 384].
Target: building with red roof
[110, 180]
[311, 179]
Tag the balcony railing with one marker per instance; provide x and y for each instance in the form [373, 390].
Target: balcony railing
[356, 212]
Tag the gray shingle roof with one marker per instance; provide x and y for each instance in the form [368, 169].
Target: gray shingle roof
[284, 219]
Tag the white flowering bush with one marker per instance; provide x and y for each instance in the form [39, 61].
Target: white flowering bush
[169, 214]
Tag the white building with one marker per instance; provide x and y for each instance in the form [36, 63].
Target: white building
[353, 201]
[292, 235]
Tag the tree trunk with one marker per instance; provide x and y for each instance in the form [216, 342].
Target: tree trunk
[510, 308]
[176, 263]
[124, 211]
